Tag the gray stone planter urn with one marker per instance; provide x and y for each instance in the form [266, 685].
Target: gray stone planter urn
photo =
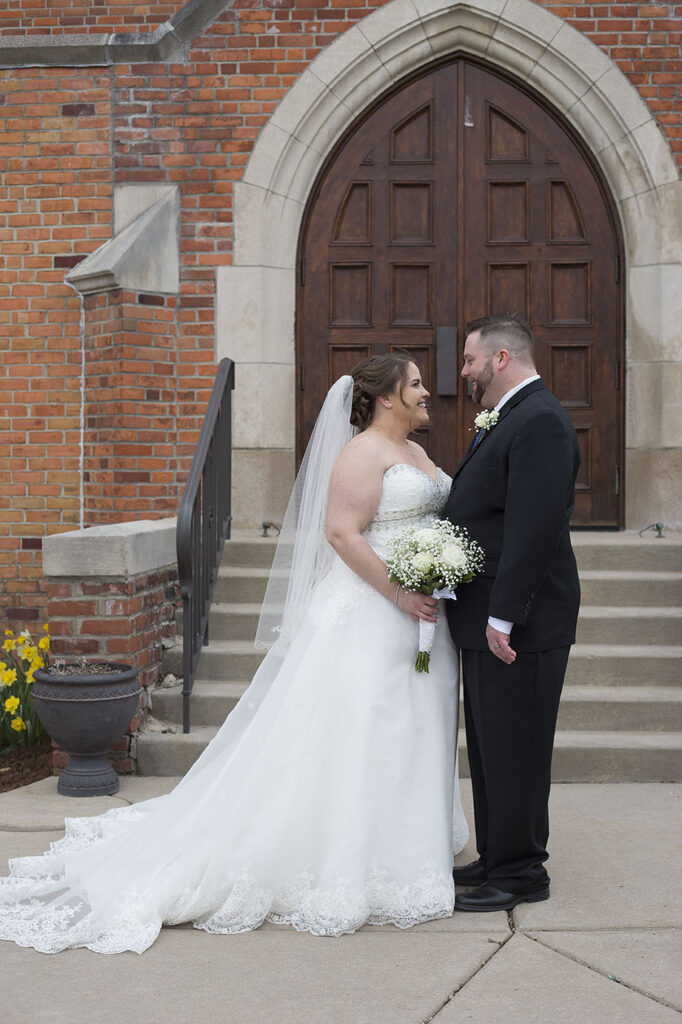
[85, 708]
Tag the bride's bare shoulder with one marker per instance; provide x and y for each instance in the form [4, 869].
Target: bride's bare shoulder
[366, 450]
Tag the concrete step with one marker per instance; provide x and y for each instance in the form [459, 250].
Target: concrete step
[588, 665]
[222, 659]
[624, 665]
[623, 708]
[626, 551]
[611, 587]
[243, 585]
[596, 624]
[617, 757]
[229, 621]
[595, 551]
[171, 753]
[578, 756]
[622, 701]
[248, 550]
[240, 584]
[622, 625]
[211, 702]
[650, 708]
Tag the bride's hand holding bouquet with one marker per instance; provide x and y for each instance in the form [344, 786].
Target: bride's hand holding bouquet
[434, 561]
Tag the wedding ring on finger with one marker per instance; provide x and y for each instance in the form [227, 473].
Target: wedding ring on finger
[496, 647]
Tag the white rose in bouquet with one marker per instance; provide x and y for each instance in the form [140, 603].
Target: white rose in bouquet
[422, 561]
[422, 538]
[454, 557]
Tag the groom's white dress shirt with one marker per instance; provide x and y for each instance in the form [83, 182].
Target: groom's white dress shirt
[502, 624]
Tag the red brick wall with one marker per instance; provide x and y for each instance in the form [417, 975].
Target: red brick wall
[66, 138]
[55, 207]
[52, 17]
[126, 620]
[642, 38]
[130, 458]
[645, 41]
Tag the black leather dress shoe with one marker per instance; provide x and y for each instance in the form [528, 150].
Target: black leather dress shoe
[488, 898]
[470, 874]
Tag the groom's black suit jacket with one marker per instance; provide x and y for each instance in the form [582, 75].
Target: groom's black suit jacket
[514, 493]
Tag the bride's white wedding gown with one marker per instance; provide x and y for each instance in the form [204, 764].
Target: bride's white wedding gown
[334, 803]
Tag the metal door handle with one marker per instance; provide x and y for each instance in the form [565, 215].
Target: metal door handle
[447, 362]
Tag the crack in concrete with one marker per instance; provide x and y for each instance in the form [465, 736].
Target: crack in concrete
[451, 996]
[604, 974]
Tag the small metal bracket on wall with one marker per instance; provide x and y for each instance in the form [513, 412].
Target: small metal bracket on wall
[654, 526]
[267, 525]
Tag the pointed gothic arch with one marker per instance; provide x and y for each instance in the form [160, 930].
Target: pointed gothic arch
[256, 295]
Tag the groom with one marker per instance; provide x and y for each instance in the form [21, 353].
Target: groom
[514, 624]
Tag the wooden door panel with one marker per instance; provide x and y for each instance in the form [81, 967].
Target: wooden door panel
[509, 287]
[539, 239]
[375, 279]
[411, 213]
[564, 219]
[354, 220]
[462, 195]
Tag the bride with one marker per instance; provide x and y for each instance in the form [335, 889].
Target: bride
[329, 797]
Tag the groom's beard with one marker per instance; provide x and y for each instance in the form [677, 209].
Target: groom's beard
[480, 384]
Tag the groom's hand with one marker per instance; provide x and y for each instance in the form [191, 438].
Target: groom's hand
[498, 644]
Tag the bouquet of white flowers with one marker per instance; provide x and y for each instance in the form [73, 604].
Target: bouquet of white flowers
[433, 560]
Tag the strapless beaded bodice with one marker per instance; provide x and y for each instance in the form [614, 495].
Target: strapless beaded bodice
[409, 497]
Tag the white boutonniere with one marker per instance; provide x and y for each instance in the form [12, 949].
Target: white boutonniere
[487, 419]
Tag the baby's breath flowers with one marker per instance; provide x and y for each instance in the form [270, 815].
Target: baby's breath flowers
[433, 560]
[20, 658]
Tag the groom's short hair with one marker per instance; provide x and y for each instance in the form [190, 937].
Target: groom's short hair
[505, 330]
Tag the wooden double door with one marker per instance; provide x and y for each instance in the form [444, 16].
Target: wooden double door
[458, 196]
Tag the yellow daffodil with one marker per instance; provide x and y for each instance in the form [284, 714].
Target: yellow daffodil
[46, 627]
[9, 644]
[8, 676]
[29, 652]
[44, 643]
[9, 632]
[18, 724]
[30, 676]
[11, 704]
[37, 663]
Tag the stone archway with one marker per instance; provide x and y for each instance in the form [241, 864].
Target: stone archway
[256, 295]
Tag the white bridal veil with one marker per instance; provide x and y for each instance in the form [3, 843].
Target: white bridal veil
[303, 554]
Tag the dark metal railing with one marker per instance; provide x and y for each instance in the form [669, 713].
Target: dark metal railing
[204, 517]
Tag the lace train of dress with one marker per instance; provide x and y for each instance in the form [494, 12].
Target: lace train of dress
[330, 802]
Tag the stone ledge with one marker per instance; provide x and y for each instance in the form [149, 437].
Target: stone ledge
[143, 256]
[165, 43]
[123, 550]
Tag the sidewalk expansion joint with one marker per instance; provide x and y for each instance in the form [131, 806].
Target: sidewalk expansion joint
[524, 929]
[605, 974]
[456, 991]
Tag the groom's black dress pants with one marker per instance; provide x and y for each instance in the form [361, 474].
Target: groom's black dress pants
[510, 713]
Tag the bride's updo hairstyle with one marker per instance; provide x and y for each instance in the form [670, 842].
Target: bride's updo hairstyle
[375, 376]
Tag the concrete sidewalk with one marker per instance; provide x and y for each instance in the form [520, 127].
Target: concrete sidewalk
[605, 949]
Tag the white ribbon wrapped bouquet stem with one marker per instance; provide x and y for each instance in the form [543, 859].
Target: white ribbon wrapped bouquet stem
[427, 632]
